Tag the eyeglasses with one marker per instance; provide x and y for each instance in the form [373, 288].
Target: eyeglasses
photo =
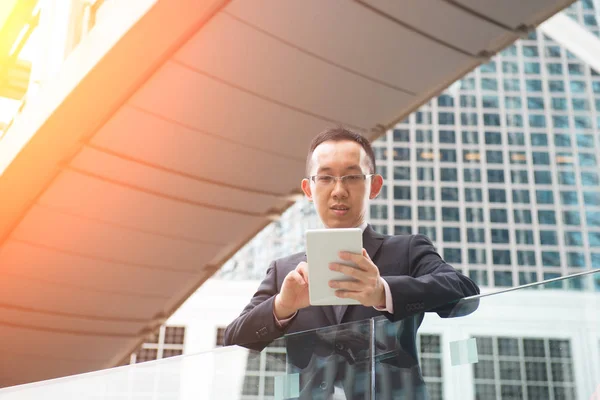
[349, 180]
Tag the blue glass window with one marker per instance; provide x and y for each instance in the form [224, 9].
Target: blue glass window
[576, 260]
[592, 218]
[493, 138]
[526, 257]
[591, 198]
[501, 257]
[490, 119]
[447, 136]
[449, 174]
[451, 234]
[500, 236]
[562, 140]
[425, 193]
[489, 101]
[537, 121]
[522, 216]
[473, 194]
[514, 120]
[447, 155]
[475, 235]
[403, 173]
[573, 238]
[402, 192]
[546, 217]
[521, 196]
[428, 231]
[580, 104]
[540, 158]
[498, 215]
[446, 118]
[587, 160]
[468, 101]
[512, 102]
[571, 218]
[544, 197]
[489, 84]
[449, 194]
[402, 212]
[556, 86]
[379, 211]
[401, 135]
[401, 154]
[445, 100]
[539, 139]
[402, 230]
[568, 198]
[426, 213]
[535, 103]
[510, 67]
[533, 85]
[548, 238]
[542, 177]
[589, 179]
[424, 135]
[566, 177]
[477, 256]
[468, 118]
[582, 122]
[470, 137]
[554, 68]
[585, 141]
[452, 256]
[552, 51]
[519, 176]
[423, 117]
[450, 214]
[474, 214]
[512, 84]
[577, 86]
[524, 236]
[497, 195]
[503, 279]
[530, 51]
[494, 156]
[472, 175]
[495, 175]
[532, 68]
[516, 139]
[560, 121]
[594, 239]
[559, 103]
[550, 259]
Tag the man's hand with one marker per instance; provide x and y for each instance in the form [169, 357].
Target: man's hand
[294, 293]
[366, 287]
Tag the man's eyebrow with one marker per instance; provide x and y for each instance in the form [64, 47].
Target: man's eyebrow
[324, 169]
[354, 167]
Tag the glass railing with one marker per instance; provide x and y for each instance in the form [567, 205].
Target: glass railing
[537, 341]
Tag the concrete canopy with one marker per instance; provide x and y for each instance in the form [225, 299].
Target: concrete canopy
[177, 130]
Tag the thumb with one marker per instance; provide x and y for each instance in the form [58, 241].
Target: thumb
[365, 254]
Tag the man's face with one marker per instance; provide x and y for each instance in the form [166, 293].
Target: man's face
[341, 205]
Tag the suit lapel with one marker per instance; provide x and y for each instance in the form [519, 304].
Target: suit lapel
[372, 241]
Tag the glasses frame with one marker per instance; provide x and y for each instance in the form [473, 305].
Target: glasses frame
[342, 179]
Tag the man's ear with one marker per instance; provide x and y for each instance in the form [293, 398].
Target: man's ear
[376, 184]
[306, 189]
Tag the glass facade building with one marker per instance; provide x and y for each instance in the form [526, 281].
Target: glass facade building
[500, 171]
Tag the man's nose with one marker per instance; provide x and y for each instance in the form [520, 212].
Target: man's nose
[339, 189]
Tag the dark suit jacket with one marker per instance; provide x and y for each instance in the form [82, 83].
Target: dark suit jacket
[419, 281]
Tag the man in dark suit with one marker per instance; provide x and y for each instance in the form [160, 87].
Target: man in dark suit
[399, 277]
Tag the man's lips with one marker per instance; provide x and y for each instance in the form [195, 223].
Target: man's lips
[339, 209]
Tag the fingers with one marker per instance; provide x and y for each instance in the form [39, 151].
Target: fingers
[363, 261]
[347, 285]
[302, 269]
[352, 272]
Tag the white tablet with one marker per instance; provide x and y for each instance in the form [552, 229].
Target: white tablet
[322, 248]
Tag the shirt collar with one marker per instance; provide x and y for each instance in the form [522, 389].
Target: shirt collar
[363, 226]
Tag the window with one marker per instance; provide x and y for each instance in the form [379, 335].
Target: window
[424, 135]
[474, 214]
[526, 257]
[573, 238]
[497, 195]
[403, 174]
[550, 259]
[475, 235]
[591, 198]
[501, 257]
[472, 175]
[425, 193]
[470, 137]
[542, 177]
[449, 194]
[571, 218]
[539, 139]
[535, 103]
[445, 100]
[548, 238]
[402, 192]
[568, 198]
[494, 156]
[576, 260]
[477, 256]
[468, 101]
[452, 256]
[498, 215]
[472, 195]
[516, 139]
[544, 197]
[521, 196]
[402, 212]
[401, 154]
[446, 136]
[524, 236]
[522, 216]
[512, 102]
[546, 217]
[566, 177]
[401, 135]
[446, 118]
[379, 211]
[500, 236]
[428, 231]
[451, 234]
[493, 138]
[450, 214]
[449, 174]
[166, 342]
[426, 213]
[495, 175]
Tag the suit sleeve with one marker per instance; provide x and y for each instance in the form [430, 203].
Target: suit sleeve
[431, 285]
[256, 327]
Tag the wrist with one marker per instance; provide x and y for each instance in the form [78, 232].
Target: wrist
[382, 297]
[280, 311]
